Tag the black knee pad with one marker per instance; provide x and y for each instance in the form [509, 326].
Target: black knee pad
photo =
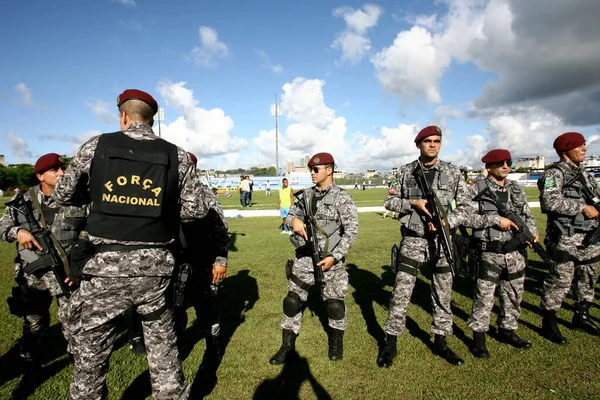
[336, 309]
[292, 304]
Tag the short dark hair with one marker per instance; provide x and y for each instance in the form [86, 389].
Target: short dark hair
[138, 110]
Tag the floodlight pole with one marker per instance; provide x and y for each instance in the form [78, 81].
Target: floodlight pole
[276, 112]
[159, 116]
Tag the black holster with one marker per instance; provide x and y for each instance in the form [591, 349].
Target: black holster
[83, 250]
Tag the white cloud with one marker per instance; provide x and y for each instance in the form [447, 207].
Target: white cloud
[412, 66]
[105, 112]
[211, 48]
[25, 97]
[204, 132]
[19, 147]
[312, 126]
[544, 52]
[126, 3]
[447, 111]
[394, 148]
[74, 141]
[353, 41]
[275, 68]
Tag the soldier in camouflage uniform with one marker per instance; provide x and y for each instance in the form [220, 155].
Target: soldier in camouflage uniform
[570, 220]
[141, 186]
[490, 234]
[32, 298]
[207, 247]
[420, 244]
[336, 222]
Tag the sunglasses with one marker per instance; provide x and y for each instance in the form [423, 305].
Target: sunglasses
[55, 169]
[501, 164]
[316, 170]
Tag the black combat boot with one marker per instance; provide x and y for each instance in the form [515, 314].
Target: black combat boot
[440, 347]
[511, 337]
[479, 348]
[389, 352]
[336, 344]
[581, 319]
[288, 344]
[550, 328]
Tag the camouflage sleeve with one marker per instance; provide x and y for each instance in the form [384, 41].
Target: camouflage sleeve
[349, 218]
[467, 211]
[551, 196]
[8, 227]
[394, 200]
[65, 192]
[193, 198]
[218, 224]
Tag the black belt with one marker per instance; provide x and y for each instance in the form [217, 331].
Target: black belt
[494, 268]
[103, 248]
[490, 247]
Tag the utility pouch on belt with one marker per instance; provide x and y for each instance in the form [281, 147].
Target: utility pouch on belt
[16, 304]
[288, 268]
[83, 250]
[181, 278]
[394, 259]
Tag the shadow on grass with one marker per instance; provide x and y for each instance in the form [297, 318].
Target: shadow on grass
[287, 385]
[237, 295]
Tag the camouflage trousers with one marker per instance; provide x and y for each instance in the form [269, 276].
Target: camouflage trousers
[507, 271]
[417, 249]
[583, 275]
[336, 288]
[92, 312]
[37, 294]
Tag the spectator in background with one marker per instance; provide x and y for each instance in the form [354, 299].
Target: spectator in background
[245, 191]
[284, 202]
[268, 192]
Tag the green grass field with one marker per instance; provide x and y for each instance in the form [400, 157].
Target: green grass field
[250, 302]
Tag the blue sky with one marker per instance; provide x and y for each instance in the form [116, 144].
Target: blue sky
[356, 79]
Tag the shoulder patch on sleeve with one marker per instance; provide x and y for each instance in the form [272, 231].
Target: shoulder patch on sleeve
[550, 183]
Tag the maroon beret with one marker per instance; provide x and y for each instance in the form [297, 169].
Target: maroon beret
[321, 159]
[193, 157]
[134, 94]
[48, 161]
[428, 131]
[496, 155]
[568, 141]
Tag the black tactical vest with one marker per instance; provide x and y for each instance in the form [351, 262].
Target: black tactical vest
[571, 190]
[491, 234]
[134, 189]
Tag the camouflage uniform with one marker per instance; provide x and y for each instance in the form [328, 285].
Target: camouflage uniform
[207, 244]
[37, 290]
[416, 249]
[117, 280]
[494, 264]
[565, 232]
[335, 207]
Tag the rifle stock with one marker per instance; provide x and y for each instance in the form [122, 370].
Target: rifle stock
[524, 235]
[438, 216]
[312, 244]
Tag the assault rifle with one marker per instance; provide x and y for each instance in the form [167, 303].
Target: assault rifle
[49, 256]
[591, 197]
[521, 237]
[311, 243]
[438, 215]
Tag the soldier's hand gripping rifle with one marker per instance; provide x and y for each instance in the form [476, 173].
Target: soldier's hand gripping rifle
[521, 237]
[311, 243]
[438, 216]
[49, 256]
[592, 197]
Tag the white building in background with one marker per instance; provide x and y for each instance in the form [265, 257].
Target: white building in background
[2, 161]
[339, 174]
[591, 162]
[537, 162]
[304, 161]
[371, 173]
